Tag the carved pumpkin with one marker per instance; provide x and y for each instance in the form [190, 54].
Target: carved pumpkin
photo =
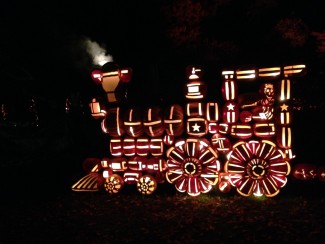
[264, 130]
[221, 143]
[229, 90]
[156, 146]
[113, 184]
[284, 137]
[304, 171]
[137, 163]
[195, 90]
[196, 127]
[133, 122]
[131, 176]
[146, 184]
[194, 109]
[283, 114]
[241, 131]
[223, 128]
[284, 89]
[212, 112]
[114, 122]
[173, 120]
[230, 113]
[142, 146]
[129, 146]
[153, 122]
[115, 146]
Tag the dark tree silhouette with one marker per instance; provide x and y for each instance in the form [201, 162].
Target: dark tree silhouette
[238, 31]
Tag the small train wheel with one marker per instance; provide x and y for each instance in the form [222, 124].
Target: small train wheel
[113, 184]
[147, 184]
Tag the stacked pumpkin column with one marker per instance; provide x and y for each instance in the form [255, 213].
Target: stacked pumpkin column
[193, 165]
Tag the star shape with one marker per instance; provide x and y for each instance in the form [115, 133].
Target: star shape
[196, 127]
[230, 106]
[284, 107]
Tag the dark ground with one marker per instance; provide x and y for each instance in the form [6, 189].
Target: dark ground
[38, 206]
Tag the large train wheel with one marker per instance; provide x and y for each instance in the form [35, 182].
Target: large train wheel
[113, 184]
[147, 184]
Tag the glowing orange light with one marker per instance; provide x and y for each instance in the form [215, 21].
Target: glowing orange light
[126, 74]
[269, 72]
[245, 74]
[97, 76]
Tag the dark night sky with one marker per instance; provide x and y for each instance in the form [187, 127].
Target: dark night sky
[43, 39]
[46, 40]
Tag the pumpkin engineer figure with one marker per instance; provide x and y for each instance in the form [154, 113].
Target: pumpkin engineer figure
[229, 141]
[263, 107]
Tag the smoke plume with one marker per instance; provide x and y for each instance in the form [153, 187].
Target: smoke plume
[98, 53]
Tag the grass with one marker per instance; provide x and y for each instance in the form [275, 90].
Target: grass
[42, 208]
[38, 206]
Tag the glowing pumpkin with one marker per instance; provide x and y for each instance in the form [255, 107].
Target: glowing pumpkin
[137, 163]
[230, 113]
[114, 122]
[142, 146]
[125, 74]
[304, 171]
[241, 131]
[221, 143]
[195, 90]
[284, 137]
[229, 90]
[133, 122]
[212, 112]
[115, 147]
[153, 122]
[113, 184]
[194, 109]
[283, 114]
[264, 130]
[97, 76]
[196, 127]
[129, 146]
[146, 184]
[173, 120]
[156, 146]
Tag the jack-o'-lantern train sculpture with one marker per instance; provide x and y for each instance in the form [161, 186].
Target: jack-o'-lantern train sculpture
[239, 140]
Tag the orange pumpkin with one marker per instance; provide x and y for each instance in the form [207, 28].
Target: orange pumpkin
[133, 122]
[221, 143]
[129, 146]
[114, 122]
[229, 90]
[153, 122]
[241, 131]
[173, 120]
[142, 146]
[230, 113]
[283, 114]
[304, 171]
[212, 112]
[264, 130]
[284, 137]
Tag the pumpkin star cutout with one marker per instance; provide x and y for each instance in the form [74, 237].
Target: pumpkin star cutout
[196, 127]
[230, 107]
[284, 107]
